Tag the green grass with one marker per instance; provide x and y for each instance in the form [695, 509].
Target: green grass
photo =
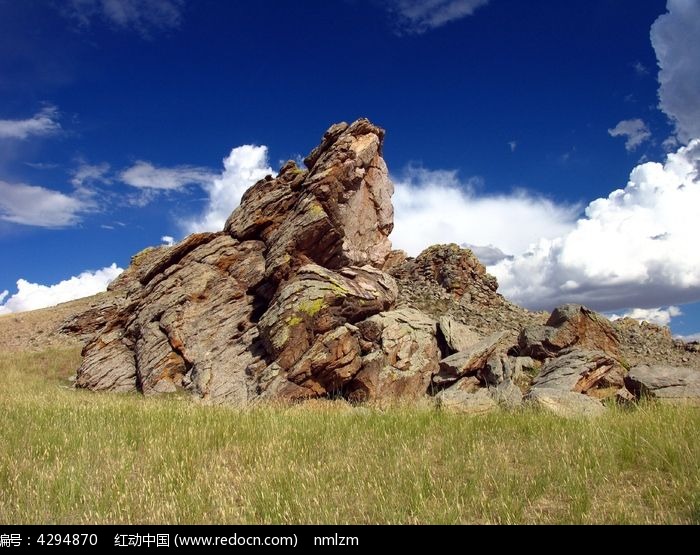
[77, 457]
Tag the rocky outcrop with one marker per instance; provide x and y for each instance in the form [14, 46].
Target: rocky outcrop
[568, 326]
[337, 213]
[668, 384]
[288, 302]
[300, 297]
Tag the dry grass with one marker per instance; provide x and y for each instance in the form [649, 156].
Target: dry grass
[76, 457]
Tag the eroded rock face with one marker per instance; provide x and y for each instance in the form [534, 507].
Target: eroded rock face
[470, 360]
[190, 325]
[569, 325]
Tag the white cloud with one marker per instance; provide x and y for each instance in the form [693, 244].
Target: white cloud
[635, 130]
[31, 296]
[637, 247]
[145, 175]
[168, 240]
[513, 145]
[86, 173]
[419, 16]
[242, 168]
[675, 37]
[689, 338]
[4, 294]
[42, 123]
[436, 207]
[660, 316]
[144, 16]
[37, 206]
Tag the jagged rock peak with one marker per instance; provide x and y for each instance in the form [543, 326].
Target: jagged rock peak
[337, 213]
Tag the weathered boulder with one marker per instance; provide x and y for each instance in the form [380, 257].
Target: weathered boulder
[665, 383]
[457, 336]
[462, 400]
[507, 394]
[317, 300]
[564, 403]
[468, 361]
[497, 369]
[592, 372]
[401, 356]
[569, 325]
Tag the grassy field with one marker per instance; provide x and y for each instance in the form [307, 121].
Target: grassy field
[75, 457]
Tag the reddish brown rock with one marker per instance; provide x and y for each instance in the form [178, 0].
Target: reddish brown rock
[336, 214]
[568, 326]
[455, 269]
[190, 325]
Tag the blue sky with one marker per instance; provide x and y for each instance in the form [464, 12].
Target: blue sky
[510, 124]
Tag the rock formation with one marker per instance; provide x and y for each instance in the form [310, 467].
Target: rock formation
[300, 296]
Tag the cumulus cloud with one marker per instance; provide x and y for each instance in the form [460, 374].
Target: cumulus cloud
[419, 16]
[635, 131]
[37, 206]
[660, 316]
[31, 296]
[689, 338]
[242, 168]
[635, 248]
[145, 175]
[44, 122]
[675, 37]
[143, 16]
[168, 240]
[436, 207]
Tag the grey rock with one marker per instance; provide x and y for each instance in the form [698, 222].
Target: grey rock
[582, 371]
[458, 336]
[564, 403]
[402, 356]
[468, 361]
[456, 399]
[506, 394]
[665, 383]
